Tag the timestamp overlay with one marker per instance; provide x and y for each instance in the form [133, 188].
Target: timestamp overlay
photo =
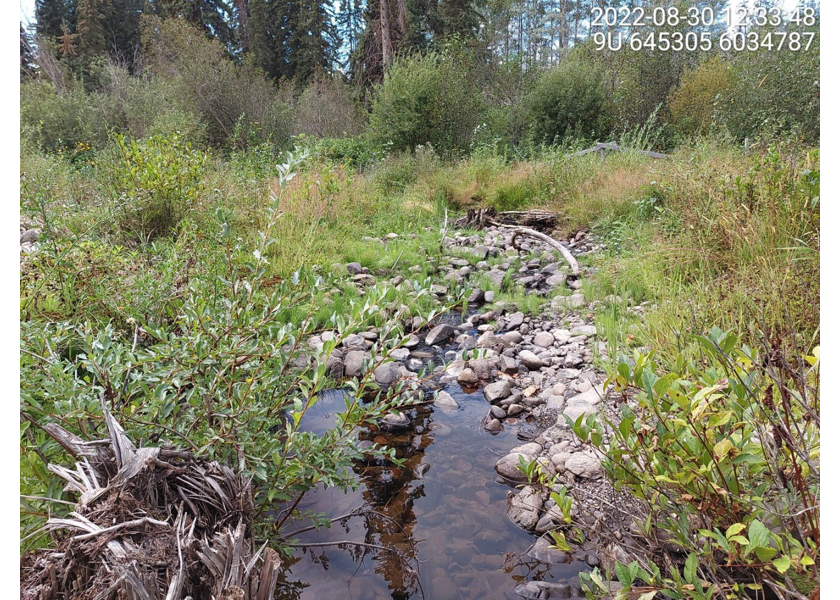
[671, 28]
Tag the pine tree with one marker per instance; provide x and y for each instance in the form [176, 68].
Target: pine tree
[314, 41]
[52, 15]
[90, 28]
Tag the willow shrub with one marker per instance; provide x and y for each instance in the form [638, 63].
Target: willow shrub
[228, 374]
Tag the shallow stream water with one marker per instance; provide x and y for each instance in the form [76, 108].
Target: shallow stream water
[444, 511]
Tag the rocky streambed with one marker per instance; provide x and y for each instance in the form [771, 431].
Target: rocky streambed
[467, 521]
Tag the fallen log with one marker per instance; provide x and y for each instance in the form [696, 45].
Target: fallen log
[150, 523]
[535, 219]
[487, 216]
[603, 146]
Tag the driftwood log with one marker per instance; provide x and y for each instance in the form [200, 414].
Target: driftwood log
[487, 216]
[149, 524]
[604, 146]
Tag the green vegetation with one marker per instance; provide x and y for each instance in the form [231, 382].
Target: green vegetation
[199, 191]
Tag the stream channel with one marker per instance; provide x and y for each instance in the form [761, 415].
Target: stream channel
[444, 510]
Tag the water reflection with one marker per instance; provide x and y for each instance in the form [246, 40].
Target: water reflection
[446, 526]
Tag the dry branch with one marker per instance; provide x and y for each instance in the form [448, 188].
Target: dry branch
[150, 524]
[488, 216]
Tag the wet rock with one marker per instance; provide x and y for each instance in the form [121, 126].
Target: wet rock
[497, 391]
[584, 465]
[508, 466]
[498, 412]
[515, 409]
[445, 401]
[387, 374]
[530, 360]
[439, 334]
[592, 559]
[395, 421]
[493, 425]
[543, 552]
[467, 377]
[421, 469]
[539, 590]
[353, 363]
[524, 508]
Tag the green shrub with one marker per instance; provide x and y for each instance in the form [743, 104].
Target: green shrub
[692, 105]
[774, 93]
[326, 108]
[358, 151]
[232, 100]
[427, 99]
[725, 452]
[158, 181]
[57, 122]
[569, 100]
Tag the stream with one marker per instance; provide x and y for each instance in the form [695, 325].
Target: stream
[444, 510]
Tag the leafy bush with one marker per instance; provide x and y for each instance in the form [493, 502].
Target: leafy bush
[569, 100]
[55, 121]
[325, 108]
[226, 372]
[692, 105]
[787, 101]
[358, 151]
[158, 181]
[211, 85]
[718, 448]
[427, 99]
[149, 106]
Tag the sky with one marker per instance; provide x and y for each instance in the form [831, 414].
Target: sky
[27, 9]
